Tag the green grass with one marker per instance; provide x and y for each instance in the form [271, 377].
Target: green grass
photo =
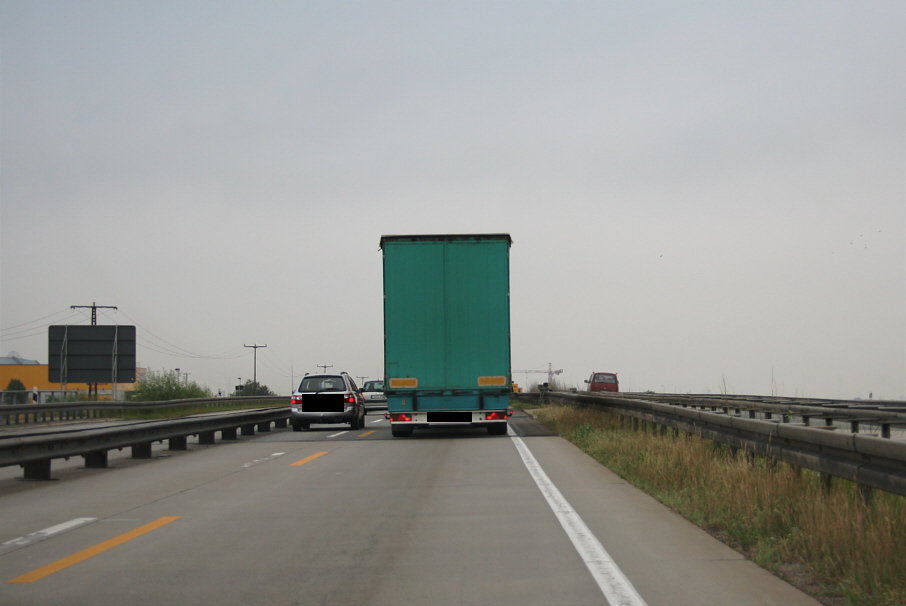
[780, 517]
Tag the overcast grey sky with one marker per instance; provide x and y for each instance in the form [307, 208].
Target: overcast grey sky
[702, 196]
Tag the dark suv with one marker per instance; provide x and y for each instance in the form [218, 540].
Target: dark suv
[327, 399]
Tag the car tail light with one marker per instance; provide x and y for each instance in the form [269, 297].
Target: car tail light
[296, 400]
[350, 399]
[401, 417]
[496, 416]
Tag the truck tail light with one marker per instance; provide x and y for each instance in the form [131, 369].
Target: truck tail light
[496, 416]
[401, 417]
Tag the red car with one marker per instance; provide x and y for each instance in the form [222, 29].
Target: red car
[603, 381]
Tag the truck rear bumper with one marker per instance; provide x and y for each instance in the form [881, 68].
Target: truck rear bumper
[448, 417]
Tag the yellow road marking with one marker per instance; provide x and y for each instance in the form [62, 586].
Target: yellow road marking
[367, 433]
[307, 459]
[40, 573]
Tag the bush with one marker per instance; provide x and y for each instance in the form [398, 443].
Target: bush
[19, 395]
[251, 388]
[165, 385]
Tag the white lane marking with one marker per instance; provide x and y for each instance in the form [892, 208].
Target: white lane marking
[256, 461]
[378, 421]
[337, 434]
[47, 532]
[613, 583]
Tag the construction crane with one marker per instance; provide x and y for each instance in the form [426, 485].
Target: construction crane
[550, 372]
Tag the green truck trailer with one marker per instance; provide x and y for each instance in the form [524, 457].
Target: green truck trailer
[447, 331]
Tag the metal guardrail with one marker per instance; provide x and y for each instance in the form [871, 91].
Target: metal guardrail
[870, 461]
[36, 451]
[66, 411]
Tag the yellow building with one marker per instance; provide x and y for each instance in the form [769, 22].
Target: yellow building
[35, 378]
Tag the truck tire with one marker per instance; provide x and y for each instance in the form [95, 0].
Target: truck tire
[401, 432]
[497, 429]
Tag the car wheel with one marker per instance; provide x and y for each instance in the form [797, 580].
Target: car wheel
[354, 424]
[297, 426]
[306, 426]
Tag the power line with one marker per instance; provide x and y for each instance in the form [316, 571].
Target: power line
[178, 351]
[62, 311]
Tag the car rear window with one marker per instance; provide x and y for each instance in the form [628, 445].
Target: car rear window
[602, 378]
[374, 386]
[322, 384]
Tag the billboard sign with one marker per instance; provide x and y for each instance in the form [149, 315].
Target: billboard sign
[91, 354]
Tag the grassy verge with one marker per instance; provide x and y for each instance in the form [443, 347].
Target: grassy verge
[829, 543]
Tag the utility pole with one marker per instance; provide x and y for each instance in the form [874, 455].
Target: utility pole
[94, 322]
[324, 367]
[94, 310]
[361, 378]
[255, 347]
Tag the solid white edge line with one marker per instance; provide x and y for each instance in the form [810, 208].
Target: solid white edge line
[610, 579]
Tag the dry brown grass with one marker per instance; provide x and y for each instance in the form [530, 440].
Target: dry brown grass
[779, 516]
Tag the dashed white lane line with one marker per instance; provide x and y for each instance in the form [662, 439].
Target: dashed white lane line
[337, 434]
[613, 583]
[256, 461]
[43, 534]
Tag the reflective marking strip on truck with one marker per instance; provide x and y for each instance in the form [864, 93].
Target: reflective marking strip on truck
[403, 383]
[491, 381]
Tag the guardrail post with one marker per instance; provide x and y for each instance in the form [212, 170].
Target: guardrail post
[280, 424]
[37, 470]
[867, 494]
[264, 427]
[207, 437]
[141, 451]
[178, 443]
[229, 434]
[96, 459]
[247, 430]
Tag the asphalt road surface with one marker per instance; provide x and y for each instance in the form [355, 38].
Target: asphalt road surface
[339, 517]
